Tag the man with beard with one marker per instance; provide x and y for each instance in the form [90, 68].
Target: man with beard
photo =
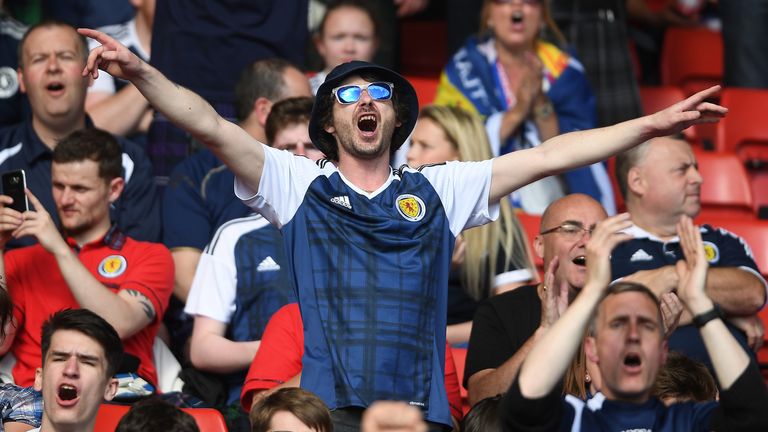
[370, 247]
[51, 56]
[95, 266]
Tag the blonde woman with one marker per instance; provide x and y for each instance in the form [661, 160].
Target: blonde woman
[489, 259]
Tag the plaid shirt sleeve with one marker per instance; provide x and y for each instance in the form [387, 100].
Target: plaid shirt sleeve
[21, 404]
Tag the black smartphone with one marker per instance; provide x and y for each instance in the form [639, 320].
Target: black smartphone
[14, 184]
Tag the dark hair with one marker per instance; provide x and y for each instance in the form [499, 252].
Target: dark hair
[325, 110]
[363, 5]
[305, 405]
[262, 78]
[48, 23]
[91, 325]
[483, 417]
[155, 414]
[287, 112]
[6, 311]
[684, 379]
[93, 144]
[623, 287]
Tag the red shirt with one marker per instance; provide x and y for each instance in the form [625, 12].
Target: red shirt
[282, 347]
[38, 290]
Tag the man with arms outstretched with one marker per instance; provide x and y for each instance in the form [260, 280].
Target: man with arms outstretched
[373, 245]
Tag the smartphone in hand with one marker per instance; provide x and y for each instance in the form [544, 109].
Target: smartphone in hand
[14, 184]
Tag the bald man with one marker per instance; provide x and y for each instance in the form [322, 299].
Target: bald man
[506, 326]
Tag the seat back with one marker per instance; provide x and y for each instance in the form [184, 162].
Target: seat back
[726, 189]
[207, 419]
[530, 224]
[426, 88]
[460, 361]
[745, 132]
[691, 58]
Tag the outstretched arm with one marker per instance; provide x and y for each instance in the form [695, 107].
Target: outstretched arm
[545, 365]
[239, 151]
[580, 148]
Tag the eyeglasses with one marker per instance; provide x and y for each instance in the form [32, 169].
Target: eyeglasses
[528, 2]
[569, 231]
[349, 94]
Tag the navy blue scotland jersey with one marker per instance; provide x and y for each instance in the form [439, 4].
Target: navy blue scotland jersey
[371, 271]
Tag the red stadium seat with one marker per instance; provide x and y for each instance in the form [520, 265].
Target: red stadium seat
[460, 361]
[726, 190]
[691, 58]
[207, 419]
[426, 88]
[745, 132]
[531, 224]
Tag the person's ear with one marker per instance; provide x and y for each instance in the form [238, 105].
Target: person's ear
[111, 390]
[20, 77]
[38, 379]
[590, 349]
[538, 245]
[116, 186]
[636, 184]
[261, 107]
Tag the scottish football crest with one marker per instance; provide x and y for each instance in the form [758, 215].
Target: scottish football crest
[410, 207]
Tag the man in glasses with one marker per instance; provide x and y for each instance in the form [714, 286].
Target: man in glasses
[505, 327]
[370, 247]
[660, 183]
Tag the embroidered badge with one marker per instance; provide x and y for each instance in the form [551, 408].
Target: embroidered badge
[113, 266]
[712, 252]
[411, 207]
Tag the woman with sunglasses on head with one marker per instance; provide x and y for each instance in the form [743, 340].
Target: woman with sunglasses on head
[528, 91]
[489, 259]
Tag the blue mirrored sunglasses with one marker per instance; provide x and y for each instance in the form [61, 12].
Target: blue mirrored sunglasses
[351, 93]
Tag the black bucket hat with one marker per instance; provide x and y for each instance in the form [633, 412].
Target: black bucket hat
[403, 91]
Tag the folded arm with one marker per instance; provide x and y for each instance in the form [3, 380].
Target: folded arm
[209, 342]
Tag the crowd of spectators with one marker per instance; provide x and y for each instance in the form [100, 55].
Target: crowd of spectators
[265, 200]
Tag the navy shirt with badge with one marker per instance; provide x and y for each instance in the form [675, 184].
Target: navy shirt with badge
[371, 272]
[648, 252]
[136, 212]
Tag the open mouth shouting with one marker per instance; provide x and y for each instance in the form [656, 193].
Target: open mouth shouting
[367, 124]
[517, 17]
[580, 260]
[67, 395]
[632, 362]
[55, 88]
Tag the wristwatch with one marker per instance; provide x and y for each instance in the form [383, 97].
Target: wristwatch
[702, 319]
[543, 111]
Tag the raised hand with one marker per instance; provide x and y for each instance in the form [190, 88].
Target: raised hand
[692, 272]
[554, 299]
[605, 237]
[38, 223]
[10, 219]
[111, 57]
[691, 111]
